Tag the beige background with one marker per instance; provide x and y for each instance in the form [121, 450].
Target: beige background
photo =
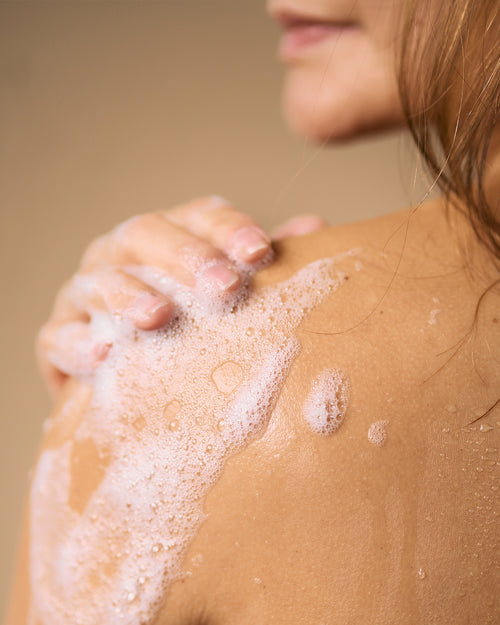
[112, 108]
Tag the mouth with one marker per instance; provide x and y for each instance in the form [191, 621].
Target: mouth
[302, 33]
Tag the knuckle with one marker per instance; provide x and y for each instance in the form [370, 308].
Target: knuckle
[44, 337]
[126, 234]
[134, 226]
[94, 253]
[63, 296]
[207, 202]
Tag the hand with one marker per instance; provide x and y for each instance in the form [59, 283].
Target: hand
[204, 245]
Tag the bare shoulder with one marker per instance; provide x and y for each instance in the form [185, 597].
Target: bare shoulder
[372, 493]
[301, 458]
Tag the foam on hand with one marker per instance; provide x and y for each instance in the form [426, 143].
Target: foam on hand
[168, 408]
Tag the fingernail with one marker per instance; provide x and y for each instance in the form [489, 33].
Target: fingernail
[250, 244]
[100, 351]
[219, 276]
[146, 307]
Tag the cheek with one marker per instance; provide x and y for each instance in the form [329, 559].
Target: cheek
[344, 89]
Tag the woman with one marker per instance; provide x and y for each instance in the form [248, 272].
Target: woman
[322, 447]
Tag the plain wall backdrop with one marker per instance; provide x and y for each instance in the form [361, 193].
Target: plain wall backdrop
[111, 108]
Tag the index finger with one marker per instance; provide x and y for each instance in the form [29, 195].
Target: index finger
[216, 221]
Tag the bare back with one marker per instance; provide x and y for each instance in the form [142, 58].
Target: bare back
[357, 469]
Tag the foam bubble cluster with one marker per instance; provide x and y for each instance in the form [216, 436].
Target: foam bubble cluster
[377, 433]
[326, 405]
[168, 408]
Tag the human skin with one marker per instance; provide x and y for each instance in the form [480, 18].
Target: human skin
[303, 528]
[203, 244]
[344, 85]
[334, 90]
[306, 529]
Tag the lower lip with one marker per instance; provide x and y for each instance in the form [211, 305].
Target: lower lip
[298, 39]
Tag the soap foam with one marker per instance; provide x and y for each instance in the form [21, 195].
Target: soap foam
[326, 405]
[377, 433]
[165, 426]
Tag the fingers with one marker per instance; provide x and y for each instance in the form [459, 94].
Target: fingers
[195, 244]
[296, 226]
[217, 222]
[121, 295]
[153, 240]
[68, 345]
[201, 244]
[68, 350]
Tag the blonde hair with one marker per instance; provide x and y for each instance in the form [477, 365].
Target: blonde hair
[449, 81]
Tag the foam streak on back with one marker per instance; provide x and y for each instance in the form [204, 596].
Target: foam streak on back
[168, 409]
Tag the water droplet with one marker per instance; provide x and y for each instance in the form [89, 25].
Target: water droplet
[173, 426]
[485, 427]
[140, 423]
[421, 574]
[157, 548]
[141, 581]
[171, 409]
[131, 596]
[203, 351]
[250, 332]
[490, 463]
[490, 450]
[221, 425]
[227, 377]
[445, 430]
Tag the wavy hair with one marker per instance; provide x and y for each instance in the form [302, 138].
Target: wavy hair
[449, 82]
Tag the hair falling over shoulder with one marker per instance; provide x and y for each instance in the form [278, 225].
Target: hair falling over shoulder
[449, 81]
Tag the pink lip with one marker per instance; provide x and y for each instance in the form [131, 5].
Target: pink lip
[299, 38]
[302, 33]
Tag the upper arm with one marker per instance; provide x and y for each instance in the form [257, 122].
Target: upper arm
[119, 487]
[189, 459]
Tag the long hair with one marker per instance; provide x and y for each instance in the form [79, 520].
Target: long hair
[449, 82]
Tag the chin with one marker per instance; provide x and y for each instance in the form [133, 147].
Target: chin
[311, 119]
[336, 112]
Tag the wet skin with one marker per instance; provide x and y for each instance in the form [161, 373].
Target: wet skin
[305, 528]
[302, 528]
